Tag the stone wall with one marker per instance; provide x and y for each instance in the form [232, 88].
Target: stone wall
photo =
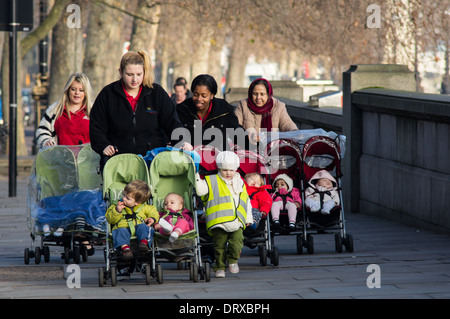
[398, 147]
[404, 168]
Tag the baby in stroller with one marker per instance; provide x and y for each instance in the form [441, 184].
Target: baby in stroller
[259, 197]
[286, 196]
[175, 219]
[132, 215]
[322, 193]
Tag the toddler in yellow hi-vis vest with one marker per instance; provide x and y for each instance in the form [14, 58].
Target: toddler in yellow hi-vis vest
[228, 211]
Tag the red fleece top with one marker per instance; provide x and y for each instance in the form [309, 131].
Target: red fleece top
[72, 131]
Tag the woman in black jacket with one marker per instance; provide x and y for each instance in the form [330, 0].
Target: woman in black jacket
[207, 119]
[133, 114]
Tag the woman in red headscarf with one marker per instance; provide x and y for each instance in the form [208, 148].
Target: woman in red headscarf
[261, 111]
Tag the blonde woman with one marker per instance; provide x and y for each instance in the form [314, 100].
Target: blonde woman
[66, 122]
[133, 114]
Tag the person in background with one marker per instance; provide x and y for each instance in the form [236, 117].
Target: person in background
[179, 92]
[183, 80]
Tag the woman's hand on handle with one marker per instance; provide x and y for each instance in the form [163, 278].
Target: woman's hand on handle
[109, 150]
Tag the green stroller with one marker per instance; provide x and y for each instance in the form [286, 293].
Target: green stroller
[173, 171]
[64, 203]
[119, 170]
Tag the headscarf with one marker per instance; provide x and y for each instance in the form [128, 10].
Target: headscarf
[266, 110]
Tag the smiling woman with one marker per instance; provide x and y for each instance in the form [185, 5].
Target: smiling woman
[66, 122]
[209, 120]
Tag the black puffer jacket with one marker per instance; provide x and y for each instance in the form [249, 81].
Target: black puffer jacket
[221, 117]
[112, 121]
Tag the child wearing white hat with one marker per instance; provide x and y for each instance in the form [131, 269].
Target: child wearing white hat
[228, 211]
[286, 196]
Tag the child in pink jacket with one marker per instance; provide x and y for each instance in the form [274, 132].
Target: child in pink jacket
[286, 196]
[174, 220]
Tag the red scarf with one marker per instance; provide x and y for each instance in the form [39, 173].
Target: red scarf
[266, 110]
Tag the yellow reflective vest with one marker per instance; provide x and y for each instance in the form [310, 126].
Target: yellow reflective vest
[219, 203]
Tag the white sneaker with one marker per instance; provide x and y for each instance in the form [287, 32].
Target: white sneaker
[58, 232]
[220, 273]
[166, 226]
[46, 229]
[173, 236]
[233, 268]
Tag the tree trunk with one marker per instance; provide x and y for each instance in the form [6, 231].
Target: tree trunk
[200, 63]
[237, 62]
[214, 67]
[144, 32]
[67, 55]
[104, 45]
[22, 48]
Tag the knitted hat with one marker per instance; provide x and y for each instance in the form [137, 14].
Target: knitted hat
[227, 160]
[287, 179]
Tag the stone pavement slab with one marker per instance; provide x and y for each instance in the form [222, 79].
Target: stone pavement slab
[414, 264]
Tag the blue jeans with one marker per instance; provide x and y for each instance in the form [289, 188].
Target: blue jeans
[122, 236]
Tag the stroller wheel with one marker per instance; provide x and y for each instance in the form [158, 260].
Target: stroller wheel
[46, 254]
[76, 254]
[148, 276]
[348, 243]
[194, 271]
[159, 274]
[84, 253]
[338, 242]
[37, 255]
[262, 255]
[274, 257]
[310, 244]
[101, 277]
[26, 256]
[207, 272]
[299, 244]
[113, 276]
[66, 255]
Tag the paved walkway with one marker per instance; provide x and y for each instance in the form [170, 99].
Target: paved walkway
[413, 263]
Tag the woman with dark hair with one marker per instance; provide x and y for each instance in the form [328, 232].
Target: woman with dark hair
[209, 120]
[260, 110]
